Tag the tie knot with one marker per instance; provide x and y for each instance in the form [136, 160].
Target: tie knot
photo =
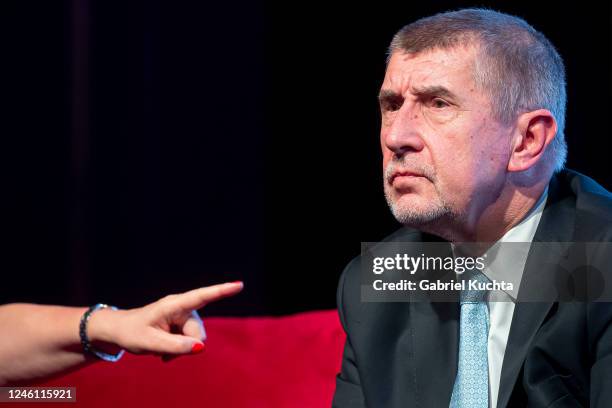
[474, 286]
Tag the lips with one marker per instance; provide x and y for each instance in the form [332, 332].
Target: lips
[403, 173]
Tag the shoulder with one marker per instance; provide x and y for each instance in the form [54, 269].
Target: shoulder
[593, 204]
[352, 270]
[349, 285]
[590, 195]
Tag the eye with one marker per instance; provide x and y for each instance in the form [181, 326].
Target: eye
[439, 103]
[392, 104]
[437, 109]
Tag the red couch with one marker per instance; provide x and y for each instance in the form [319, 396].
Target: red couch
[255, 362]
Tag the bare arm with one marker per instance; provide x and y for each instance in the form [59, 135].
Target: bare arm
[37, 341]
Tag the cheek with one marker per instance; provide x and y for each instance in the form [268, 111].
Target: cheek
[387, 156]
[485, 162]
[453, 158]
[457, 169]
[458, 172]
[466, 157]
[495, 152]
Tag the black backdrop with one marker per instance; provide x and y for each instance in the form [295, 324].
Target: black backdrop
[152, 147]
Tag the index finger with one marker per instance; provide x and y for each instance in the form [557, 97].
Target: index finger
[197, 298]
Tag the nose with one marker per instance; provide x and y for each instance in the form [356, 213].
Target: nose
[401, 134]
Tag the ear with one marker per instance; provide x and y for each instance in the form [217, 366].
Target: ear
[534, 131]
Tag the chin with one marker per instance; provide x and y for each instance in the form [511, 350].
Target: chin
[414, 213]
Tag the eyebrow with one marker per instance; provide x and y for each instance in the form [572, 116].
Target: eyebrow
[425, 91]
[388, 96]
[434, 90]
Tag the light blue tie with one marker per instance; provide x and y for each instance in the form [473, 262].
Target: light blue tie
[471, 389]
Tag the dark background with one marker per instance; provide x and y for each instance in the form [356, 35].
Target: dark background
[153, 147]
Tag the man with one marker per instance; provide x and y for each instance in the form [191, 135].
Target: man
[473, 110]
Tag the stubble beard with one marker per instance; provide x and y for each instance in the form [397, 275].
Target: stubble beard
[406, 213]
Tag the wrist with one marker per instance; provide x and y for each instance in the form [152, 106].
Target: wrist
[102, 327]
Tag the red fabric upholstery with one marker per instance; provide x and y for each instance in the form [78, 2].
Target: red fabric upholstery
[270, 362]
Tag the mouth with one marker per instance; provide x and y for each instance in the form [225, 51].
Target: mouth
[403, 176]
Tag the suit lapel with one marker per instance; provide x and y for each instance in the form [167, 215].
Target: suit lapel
[415, 342]
[556, 225]
[435, 332]
[435, 337]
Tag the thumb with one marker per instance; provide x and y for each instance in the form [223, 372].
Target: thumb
[194, 327]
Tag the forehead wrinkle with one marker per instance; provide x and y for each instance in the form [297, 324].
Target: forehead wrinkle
[428, 64]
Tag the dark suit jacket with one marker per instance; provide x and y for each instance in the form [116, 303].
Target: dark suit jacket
[559, 354]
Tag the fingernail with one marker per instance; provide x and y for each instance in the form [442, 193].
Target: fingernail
[237, 281]
[197, 348]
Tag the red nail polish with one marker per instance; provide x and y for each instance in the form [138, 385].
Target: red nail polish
[197, 348]
[237, 281]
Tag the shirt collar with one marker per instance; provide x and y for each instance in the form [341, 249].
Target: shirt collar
[506, 263]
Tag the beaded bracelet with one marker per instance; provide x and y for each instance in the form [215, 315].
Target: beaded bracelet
[87, 347]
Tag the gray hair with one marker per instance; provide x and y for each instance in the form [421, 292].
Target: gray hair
[517, 66]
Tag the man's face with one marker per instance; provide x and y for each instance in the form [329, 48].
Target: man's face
[444, 154]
